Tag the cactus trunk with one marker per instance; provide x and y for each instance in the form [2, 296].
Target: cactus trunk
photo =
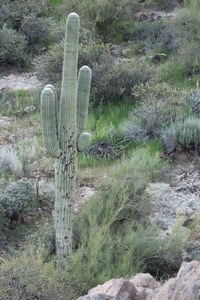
[63, 139]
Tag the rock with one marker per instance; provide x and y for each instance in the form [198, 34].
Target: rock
[5, 121]
[177, 199]
[114, 289]
[153, 16]
[145, 280]
[30, 109]
[23, 81]
[159, 57]
[12, 138]
[186, 286]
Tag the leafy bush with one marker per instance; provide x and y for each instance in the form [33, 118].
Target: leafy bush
[10, 164]
[15, 200]
[12, 47]
[185, 133]
[159, 106]
[113, 20]
[111, 81]
[35, 29]
[26, 276]
[13, 12]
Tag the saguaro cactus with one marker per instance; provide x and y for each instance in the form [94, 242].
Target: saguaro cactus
[64, 132]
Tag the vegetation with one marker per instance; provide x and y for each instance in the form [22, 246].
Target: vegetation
[144, 57]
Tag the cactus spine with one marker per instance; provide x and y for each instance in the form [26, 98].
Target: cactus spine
[64, 132]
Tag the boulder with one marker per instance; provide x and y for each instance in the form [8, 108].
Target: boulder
[186, 286]
[114, 289]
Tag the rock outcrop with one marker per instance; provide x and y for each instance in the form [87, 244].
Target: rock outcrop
[186, 286]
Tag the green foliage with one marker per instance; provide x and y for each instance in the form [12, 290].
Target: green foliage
[185, 133]
[159, 107]
[10, 163]
[193, 100]
[112, 238]
[111, 81]
[26, 276]
[12, 47]
[15, 200]
[14, 102]
[112, 20]
[35, 29]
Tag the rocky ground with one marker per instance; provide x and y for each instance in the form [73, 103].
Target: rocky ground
[185, 286]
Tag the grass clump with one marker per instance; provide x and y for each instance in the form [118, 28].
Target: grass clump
[10, 163]
[184, 133]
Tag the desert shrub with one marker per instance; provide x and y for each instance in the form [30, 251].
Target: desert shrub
[163, 4]
[10, 163]
[193, 100]
[111, 81]
[183, 67]
[26, 276]
[16, 200]
[158, 108]
[112, 20]
[13, 12]
[184, 133]
[12, 47]
[35, 29]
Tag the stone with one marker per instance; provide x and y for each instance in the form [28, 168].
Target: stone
[159, 57]
[12, 138]
[186, 286]
[114, 289]
[145, 280]
[30, 109]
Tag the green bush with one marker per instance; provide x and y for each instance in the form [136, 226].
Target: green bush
[35, 29]
[12, 47]
[16, 200]
[158, 108]
[111, 80]
[113, 20]
[184, 133]
[13, 12]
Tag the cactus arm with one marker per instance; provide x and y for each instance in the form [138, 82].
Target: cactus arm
[49, 124]
[84, 81]
[69, 80]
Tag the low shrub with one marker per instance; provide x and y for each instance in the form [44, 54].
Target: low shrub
[111, 80]
[35, 29]
[184, 133]
[16, 200]
[193, 100]
[13, 12]
[158, 108]
[113, 20]
[10, 163]
[12, 47]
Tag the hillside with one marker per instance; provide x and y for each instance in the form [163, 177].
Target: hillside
[132, 195]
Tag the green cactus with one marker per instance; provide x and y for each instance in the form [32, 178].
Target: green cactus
[64, 132]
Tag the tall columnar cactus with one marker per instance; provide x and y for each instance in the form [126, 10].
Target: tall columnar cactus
[64, 132]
